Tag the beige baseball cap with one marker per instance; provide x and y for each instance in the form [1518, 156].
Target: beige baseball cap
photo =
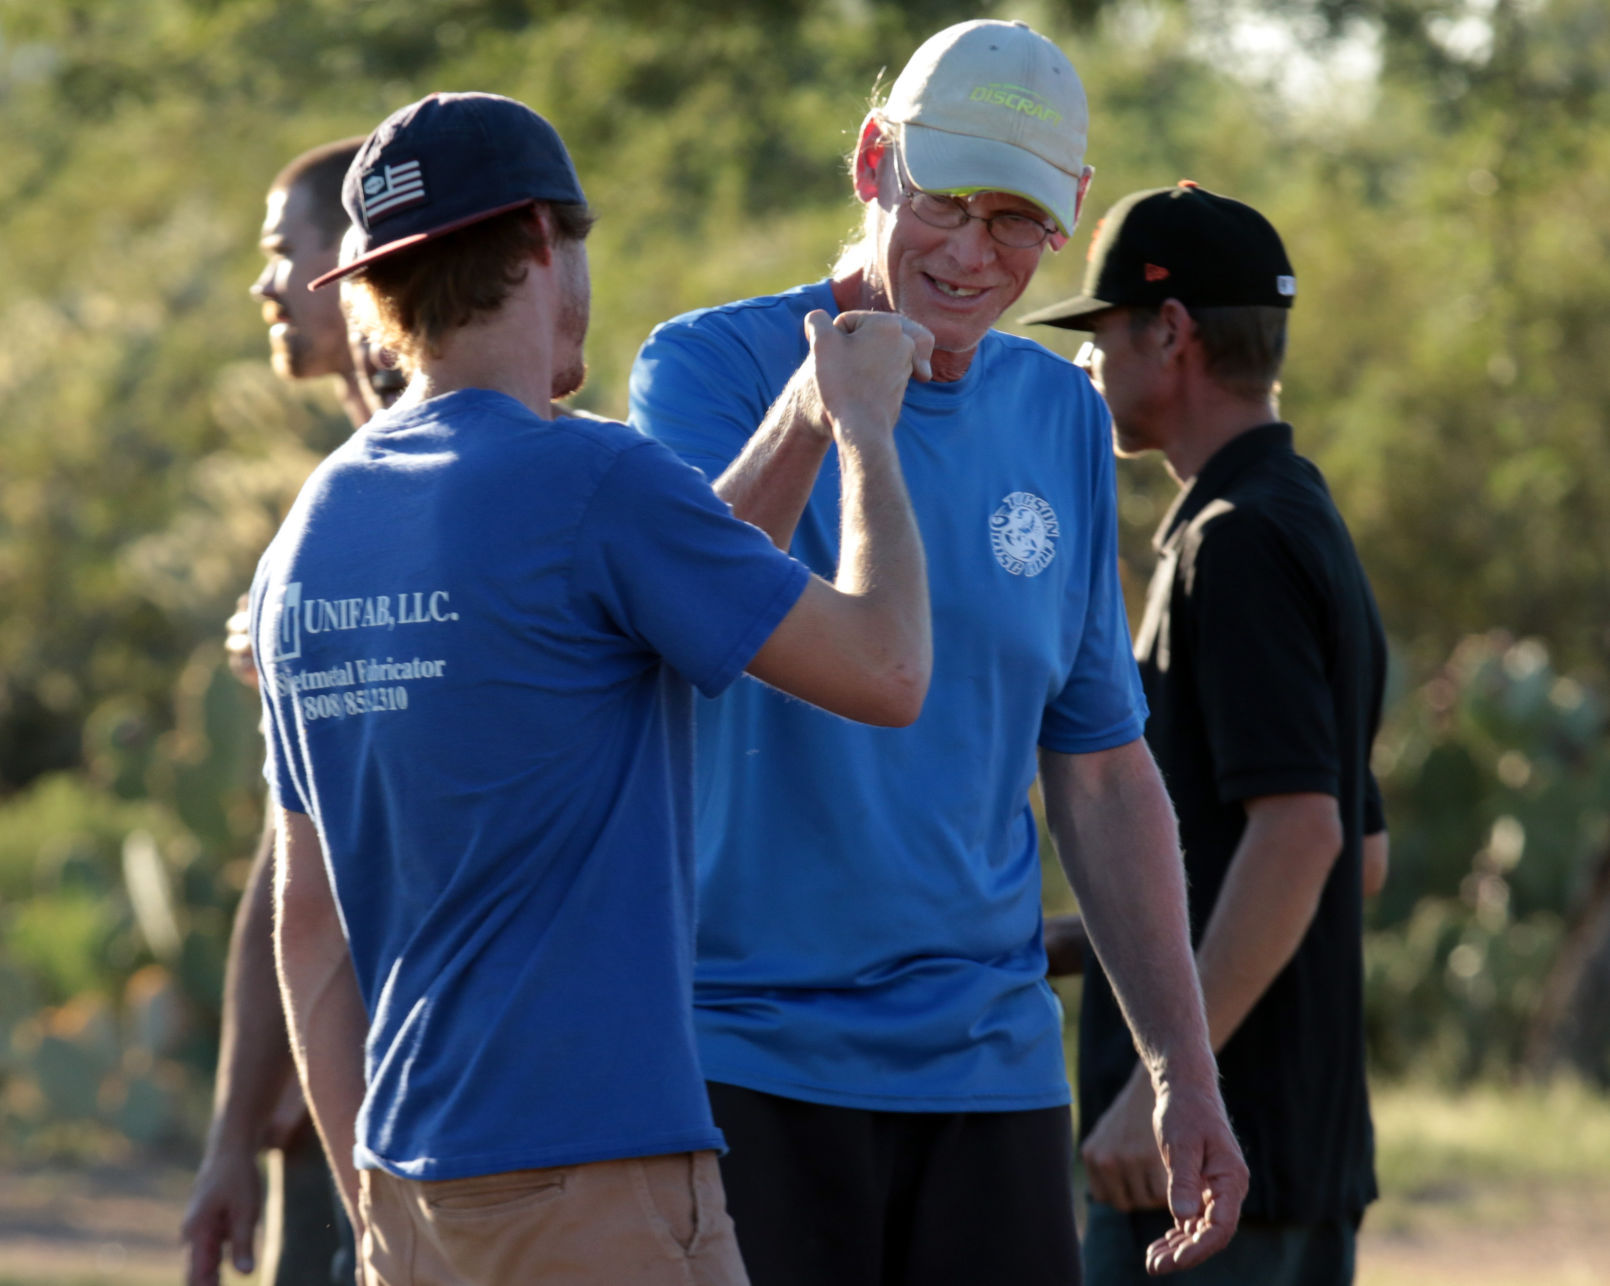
[989, 106]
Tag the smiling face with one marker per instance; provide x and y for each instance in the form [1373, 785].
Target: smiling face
[955, 281]
[307, 334]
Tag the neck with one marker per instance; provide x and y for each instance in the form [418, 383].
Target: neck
[349, 388]
[509, 352]
[1212, 421]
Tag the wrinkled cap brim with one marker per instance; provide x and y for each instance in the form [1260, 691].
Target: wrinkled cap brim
[1070, 314]
[939, 161]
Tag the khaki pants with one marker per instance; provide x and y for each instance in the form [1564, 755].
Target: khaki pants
[646, 1221]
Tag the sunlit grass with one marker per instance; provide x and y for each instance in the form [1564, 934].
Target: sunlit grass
[1491, 1186]
[1488, 1153]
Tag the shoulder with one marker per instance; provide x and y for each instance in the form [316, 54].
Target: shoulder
[631, 460]
[1268, 531]
[1054, 415]
[745, 322]
[1232, 526]
[1283, 500]
[702, 370]
[1016, 365]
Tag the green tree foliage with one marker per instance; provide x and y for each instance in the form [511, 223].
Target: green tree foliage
[1497, 775]
[1438, 167]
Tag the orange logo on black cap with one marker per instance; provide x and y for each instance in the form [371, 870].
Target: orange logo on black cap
[1090, 250]
[1154, 273]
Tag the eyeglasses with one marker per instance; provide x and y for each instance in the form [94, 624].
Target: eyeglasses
[1006, 227]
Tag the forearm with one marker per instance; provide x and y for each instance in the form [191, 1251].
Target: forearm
[254, 1058]
[770, 482]
[1115, 834]
[1376, 862]
[881, 559]
[1266, 904]
[326, 1018]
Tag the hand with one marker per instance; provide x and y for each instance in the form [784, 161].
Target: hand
[238, 642]
[1066, 945]
[862, 363]
[289, 1119]
[1122, 1161]
[1207, 1178]
[224, 1209]
[922, 339]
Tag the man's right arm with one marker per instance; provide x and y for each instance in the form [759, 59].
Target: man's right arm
[1114, 831]
[770, 482]
[862, 646]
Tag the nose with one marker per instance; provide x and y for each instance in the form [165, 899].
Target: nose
[972, 244]
[263, 287]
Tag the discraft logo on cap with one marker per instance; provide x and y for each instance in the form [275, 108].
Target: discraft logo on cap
[1023, 533]
[392, 188]
[1016, 98]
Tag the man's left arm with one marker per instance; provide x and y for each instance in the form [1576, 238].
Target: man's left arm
[324, 1011]
[1114, 831]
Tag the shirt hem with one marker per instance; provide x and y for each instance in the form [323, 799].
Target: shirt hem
[760, 630]
[1131, 730]
[835, 1097]
[1290, 781]
[537, 1159]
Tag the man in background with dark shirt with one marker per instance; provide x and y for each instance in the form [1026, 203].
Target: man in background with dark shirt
[257, 1104]
[1263, 661]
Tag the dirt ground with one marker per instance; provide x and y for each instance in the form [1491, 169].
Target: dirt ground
[120, 1225]
[1564, 1252]
[91, 1226]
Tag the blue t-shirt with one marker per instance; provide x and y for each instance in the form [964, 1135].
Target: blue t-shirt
[476, 633]
[869, 899]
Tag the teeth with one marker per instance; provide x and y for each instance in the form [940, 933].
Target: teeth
[956, 292]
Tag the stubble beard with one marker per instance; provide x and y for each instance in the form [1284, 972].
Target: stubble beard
[294, 355]
[572, 329]
[287, 354]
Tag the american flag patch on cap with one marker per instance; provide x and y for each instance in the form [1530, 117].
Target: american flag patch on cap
[392, 188]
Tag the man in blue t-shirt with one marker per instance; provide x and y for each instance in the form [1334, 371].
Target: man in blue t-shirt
[883, 1051]
[478, 633]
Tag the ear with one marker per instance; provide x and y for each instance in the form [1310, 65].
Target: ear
[1059, 239]
[1176, 328]
[543, 217]
[1085, 175]
[870, 149]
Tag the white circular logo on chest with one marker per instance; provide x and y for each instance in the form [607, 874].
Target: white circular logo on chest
[1023, 533]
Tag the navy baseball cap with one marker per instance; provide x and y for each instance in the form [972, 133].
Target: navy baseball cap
[446, 162]
[1184, 243]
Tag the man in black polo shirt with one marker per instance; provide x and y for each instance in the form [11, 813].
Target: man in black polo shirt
[1263, 661]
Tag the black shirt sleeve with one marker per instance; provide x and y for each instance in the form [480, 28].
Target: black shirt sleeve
[1259, 631]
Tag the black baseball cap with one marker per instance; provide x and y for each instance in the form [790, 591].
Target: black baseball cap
[446, 162]
[1184, 243]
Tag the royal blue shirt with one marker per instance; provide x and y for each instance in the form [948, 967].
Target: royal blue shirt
[869, 898]
[476, 632]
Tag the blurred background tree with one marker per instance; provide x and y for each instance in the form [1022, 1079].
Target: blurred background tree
[1439, 169]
